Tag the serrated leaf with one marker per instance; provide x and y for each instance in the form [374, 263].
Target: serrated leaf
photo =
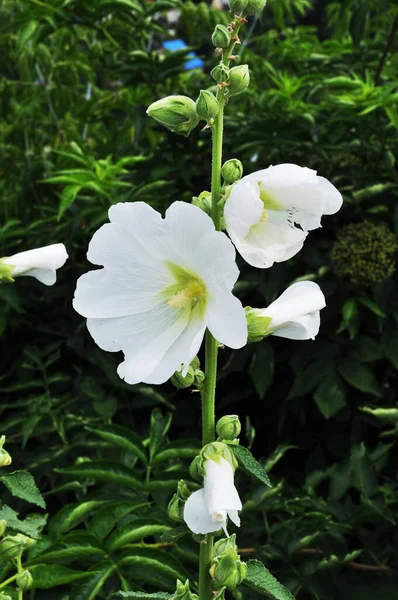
[22, 485]
[260, 579]
[132, 533]
[71, 552]
[71, 515]
[159, 426]
[31, 526]
[143, 595]
[49, 576]
[68, 196]
[247, 461]
[123, 438]
[106, 518]
[88, 590]
[106, 471]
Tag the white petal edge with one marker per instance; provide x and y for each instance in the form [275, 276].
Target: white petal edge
[196, 514]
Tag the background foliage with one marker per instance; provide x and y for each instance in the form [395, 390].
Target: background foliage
[76, 78]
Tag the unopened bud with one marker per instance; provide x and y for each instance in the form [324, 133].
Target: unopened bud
[177, 113]
[203, 201]
[181, 381]
[257, 325]
[183, 592]
[5, 458]
[254, 7]
[3, 526]
[207, 105]
[220, 73]
[195, 469]
[11, 546]
[24, 580]
[221, 37]
[232, 170]
[237, 6]
[215, 451]
[176, 505]
[228, 427]
[239, 79]
[227, 569]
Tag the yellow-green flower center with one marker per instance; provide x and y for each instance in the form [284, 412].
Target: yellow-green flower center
[188, 292]
[269, 201]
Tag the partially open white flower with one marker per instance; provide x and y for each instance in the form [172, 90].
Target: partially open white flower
[207, 509]
[163, 282]
[268, 214]
[295, 314]
[40, 263]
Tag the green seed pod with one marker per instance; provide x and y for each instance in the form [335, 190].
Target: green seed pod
[254, 7]
[239, 80]
[207, 106]
[228, 427]
[237, 6]
[177, 113]
[232, 170]
[24, 580]
[221, 37]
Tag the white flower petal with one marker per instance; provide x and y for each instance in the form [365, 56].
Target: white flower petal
[226, 320]
[196, 514]
[40, 263]
[302, 328]
[220, 491]
[243, 208]
[332, 197]
[233, 515]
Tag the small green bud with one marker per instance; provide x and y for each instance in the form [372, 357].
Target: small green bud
[220, 73]
[257, 326]
[195, 469]
[3, 527]
[221, 37]
[177, 113]
[180, 381]
[203, 201]
[183, 491]
[237, 6]
[5, 458]
[228, 427]
[227, 569]
[183, 592]
[4, 596]
[225, 546]
[239, 79]
[24, 580]
[11, 546]
[254, 7]
[232, 170]
[199, 379]
[207, 105]
[174, 509]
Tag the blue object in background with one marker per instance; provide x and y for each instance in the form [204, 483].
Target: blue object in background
[194, 63]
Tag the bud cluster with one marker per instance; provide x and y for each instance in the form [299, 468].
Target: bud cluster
[194, 375]
[183, 592]
[227, 569]
[247, 7]
[236, 80]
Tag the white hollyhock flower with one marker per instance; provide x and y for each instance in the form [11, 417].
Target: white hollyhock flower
[40, 263]
[207, 509]
[295, 314]
[163, 282]
[268, 214]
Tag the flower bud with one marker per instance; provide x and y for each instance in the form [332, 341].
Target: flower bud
[237, 6]
[24, 580]
[215, 451]
[227, 569]
[195, 469]
[199, 379]
[183, 592]
[203, 201]
[228, 427]
[180, 381]
[232, 170]
[207, 105]
[254, 7]
[3, 526]
[5, 458]
[257, 326]
[176, 505]
[11, 546]
[177, 113]
[221, 37]
[239, 79]
[4, 596]
[220, 73]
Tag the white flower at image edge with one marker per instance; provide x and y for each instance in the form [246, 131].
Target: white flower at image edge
[295, 314]
[207, 509]
[163, 282]
[40, 263]
[268, 214]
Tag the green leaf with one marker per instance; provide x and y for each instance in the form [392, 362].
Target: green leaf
[132, 533]
[106, 471]
[372, 306]
[72, 552]
[143, 595]
[31, 526]
[49, 576]
[358, 24]
[330, 395]
[106, 518]
[71, 515]
[123, 438]
[159, 427]
[359, 376]
[276, 455]
[247, 461]
[22, 485]
[68, 196]
[364, 476]
[261, 369]
[260, 579]
[89, 589]
[174, 453]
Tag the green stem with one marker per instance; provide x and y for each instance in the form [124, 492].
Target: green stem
[20, 569]
[7, 581]
[209, 389]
